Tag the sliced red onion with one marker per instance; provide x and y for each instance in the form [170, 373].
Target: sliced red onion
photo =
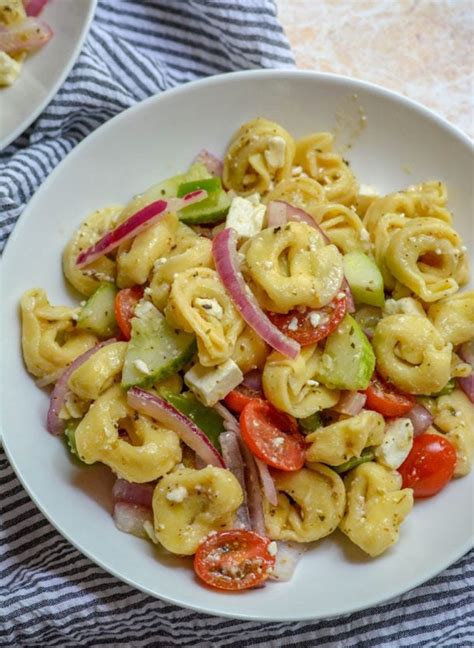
[420, 418]
[466, 353]
[350, 403]
[131, 518]
[291, 213]
[130, 493]
[59, 394]
[276, 213]
[135, 224]
[199, 464]
[34, 7]
[253, 380]
[286, 559]
[187, 430]
[212, 163]
[234, 462]
[225, 257]
[30, 34]
[268, 484]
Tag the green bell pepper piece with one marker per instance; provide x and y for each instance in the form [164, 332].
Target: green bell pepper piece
[207, 419]
[367, 455]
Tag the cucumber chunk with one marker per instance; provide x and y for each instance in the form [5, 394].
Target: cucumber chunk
[97, 314]
[210, 210]
[348, 361]
[364, 278]
[155, 350]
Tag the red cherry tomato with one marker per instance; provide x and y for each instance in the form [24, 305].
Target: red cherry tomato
[239, 397]
[234, 560]
[298, 325]
[125, 302]
[429, 466]
[272, 436]
[384, 398]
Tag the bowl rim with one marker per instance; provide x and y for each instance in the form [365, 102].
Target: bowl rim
[311, 76]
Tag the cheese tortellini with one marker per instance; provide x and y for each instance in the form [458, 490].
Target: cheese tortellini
[292, 386]
[199, 303]
[453, 317]
[375, 508]
[294, 266]
[304, 193]
[342, 226]
[150, 451]
[250, 351]
[412, 354]
[454, 415]
[189, 504]
[426, 255]
[337, 443]
[310, 504]
[98, 372]
[50, 339]
[259, 156]
[135, 259]
[315, 154]
[188, 251]
[87, 280]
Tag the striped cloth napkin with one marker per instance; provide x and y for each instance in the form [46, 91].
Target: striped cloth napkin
[50, 595]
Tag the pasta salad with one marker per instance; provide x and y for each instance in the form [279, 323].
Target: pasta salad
[267, 351]
[21, 32]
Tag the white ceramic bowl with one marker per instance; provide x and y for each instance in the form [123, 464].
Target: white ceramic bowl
[44, 72]
[158, 138]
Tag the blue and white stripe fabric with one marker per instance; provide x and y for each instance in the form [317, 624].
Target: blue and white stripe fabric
[50, 595]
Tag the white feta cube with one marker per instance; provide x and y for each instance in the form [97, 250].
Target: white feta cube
[396, 444]
[403, 306]
[245, 216]
[211, 384]
[275, 153]
[211, 306]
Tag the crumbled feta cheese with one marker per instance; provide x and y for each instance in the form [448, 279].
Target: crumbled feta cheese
[312, 383]
[463, 248]
[403, 306]
[159, 262]
[178, 494]
[75, 317]
[396, 444]
[211, 306]
[245, 216]
[278, 441]
[275, 153]
[142, 367]
[438, 251]
[272, 548]
[211, 384]
[96, 274]
[293, 325]
[297, 170]
[147, 290]
[364, 235]
[144, 308]
[316, 319]
[341, 295]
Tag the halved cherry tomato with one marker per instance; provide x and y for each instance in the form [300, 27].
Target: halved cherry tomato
[125, 302]
[272, 436]
[234, 560]
[385, 399]
[301, 325]
[239, 397]
[429, 466]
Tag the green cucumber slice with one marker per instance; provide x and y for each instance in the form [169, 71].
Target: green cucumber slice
[97, 314]
[211, 210]
[364, 278]
[348, 361]
[155, 350]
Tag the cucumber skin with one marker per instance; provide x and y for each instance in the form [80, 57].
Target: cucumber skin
[199, 214]
[131, 377]
[338, 347]
[97, 314]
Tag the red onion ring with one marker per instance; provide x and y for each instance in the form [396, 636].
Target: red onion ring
[212, 163]
[253, 380]
[420, 417]
[233, 459]
[131, 493]
[286, 560]
[34, 7]
[58, 396]
[268, 484]
[135, 224]
[225, 257]
[131, 518]
[159, 409]
[350, 403]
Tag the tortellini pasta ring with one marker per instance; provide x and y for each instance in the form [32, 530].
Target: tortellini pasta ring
[150, 452]
[342, 226]
[412, 354]
[304, 193]
[310, 504]
[454, 317]
[427, 256]
[294, 266]
[97, 373]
